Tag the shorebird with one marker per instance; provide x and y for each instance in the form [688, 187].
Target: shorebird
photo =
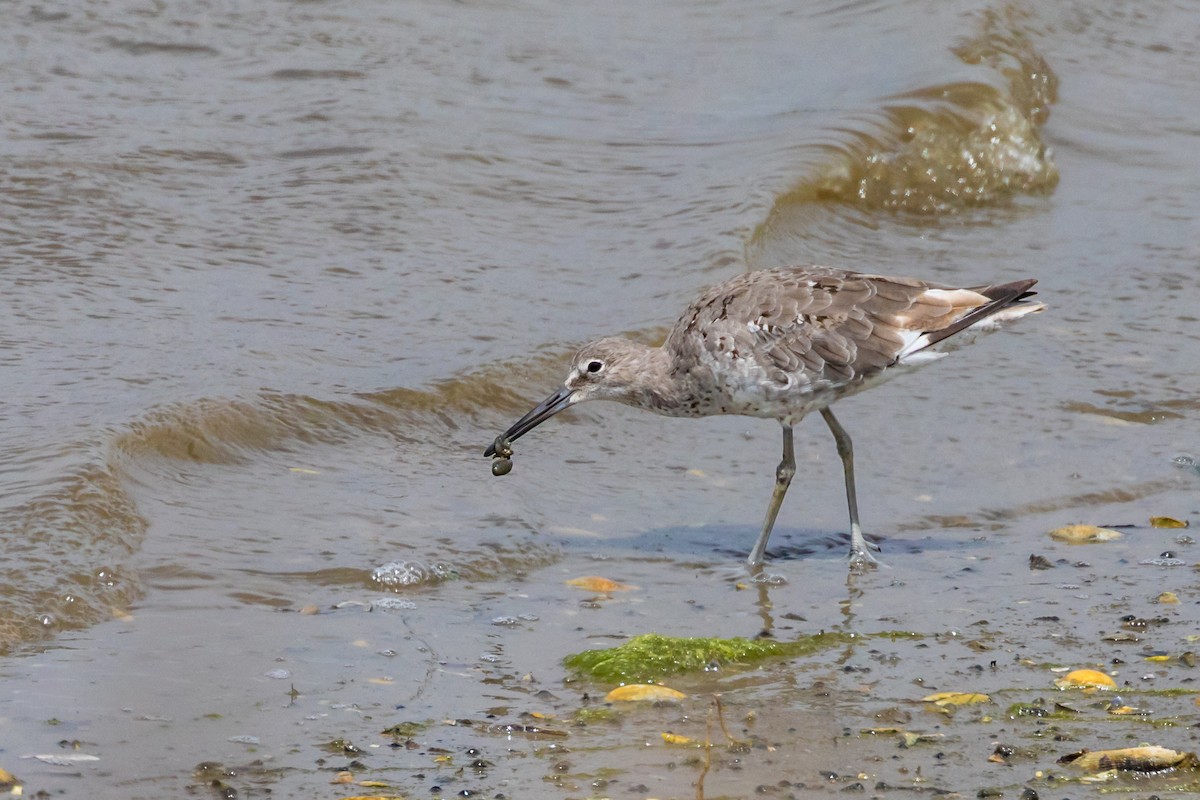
[780, 343]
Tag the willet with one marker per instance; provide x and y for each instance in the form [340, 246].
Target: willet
[780, 343]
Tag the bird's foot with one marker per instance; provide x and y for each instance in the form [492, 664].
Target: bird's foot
[861, 559]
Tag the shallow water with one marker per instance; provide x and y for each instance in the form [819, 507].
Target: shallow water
[276, 276]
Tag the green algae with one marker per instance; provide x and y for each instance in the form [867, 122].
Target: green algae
[596, 714]
[650, 657]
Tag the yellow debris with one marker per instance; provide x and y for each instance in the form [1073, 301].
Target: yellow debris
[1084, 534]
[594, 583]
[1086, 679]
[956, 698]
[643, 691]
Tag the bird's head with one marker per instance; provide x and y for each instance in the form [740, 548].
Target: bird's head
[606, 369]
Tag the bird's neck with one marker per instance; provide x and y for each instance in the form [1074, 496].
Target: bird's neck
[661, 388]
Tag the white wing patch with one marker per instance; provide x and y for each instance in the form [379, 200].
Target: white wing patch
[956, 297]
[913, 351]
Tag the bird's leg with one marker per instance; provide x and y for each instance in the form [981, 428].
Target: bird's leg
[783, 478]
[859, 554]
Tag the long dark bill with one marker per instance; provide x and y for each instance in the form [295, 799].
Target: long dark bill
[542, 412]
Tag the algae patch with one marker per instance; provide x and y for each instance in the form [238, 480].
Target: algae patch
[649, 657]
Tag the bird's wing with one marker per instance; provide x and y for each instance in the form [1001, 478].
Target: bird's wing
[821, 326]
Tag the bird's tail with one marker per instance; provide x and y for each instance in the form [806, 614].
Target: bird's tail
[1007, 301]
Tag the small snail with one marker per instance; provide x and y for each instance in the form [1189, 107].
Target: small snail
[502, 462]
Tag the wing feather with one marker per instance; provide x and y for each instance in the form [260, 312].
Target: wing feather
[812, 328]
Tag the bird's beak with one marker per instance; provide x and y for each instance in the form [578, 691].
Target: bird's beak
[544, 410]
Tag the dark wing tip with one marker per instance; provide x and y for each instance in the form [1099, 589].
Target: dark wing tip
[1009, 292]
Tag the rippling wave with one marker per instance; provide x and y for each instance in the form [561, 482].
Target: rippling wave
[941, 149]
[67, 551]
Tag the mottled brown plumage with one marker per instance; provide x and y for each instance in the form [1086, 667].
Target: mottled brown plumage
[780, 343]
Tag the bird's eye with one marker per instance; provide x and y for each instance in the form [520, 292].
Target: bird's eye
[595, 366]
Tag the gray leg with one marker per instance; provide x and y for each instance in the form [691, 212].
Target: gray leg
[859, 553]
[783, 478]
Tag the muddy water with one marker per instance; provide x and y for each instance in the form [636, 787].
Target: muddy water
[276, 275]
